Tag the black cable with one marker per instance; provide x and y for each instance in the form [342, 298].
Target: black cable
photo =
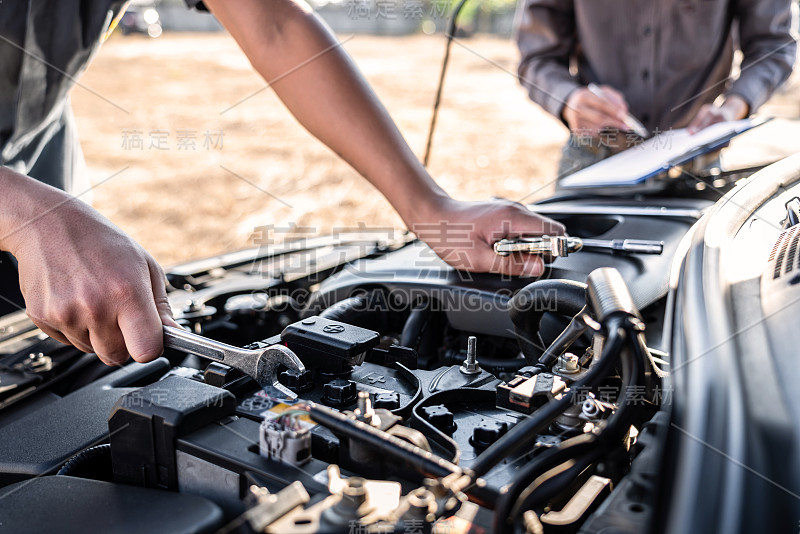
[424, 462]
[450, 34]
[523, 434]
[555, 481]
[530, 490]
[581, 445]
[616, 428]
[550, 458]
[419, 459]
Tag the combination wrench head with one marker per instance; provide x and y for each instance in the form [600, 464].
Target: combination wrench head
[267, 364]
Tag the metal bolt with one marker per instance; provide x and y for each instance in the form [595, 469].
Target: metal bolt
[364, 411]
[363, 401]
[470, 365]
[568, 363]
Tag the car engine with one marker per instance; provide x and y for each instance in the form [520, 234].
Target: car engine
[428, 400]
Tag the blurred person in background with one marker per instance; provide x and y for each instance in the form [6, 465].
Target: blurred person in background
[669, 64]
[84, 281]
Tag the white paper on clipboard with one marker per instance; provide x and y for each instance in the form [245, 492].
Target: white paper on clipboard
[657, 154]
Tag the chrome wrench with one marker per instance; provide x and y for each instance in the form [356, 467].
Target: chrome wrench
[260, 364]
[561, 246]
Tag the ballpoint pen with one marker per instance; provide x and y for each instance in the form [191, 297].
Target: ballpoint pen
[630, 121]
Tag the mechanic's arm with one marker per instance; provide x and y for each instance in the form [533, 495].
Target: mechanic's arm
[768, 50]
[85, 282]
[318, 82]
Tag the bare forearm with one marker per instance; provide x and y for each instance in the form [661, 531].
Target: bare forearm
[24, 200]
[294, 51]
[291, 48]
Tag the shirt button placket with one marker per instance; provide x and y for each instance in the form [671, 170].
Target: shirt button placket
[648, 58]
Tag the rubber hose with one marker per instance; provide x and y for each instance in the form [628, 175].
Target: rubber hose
[415, 325]
[93, 463]
[360, 310]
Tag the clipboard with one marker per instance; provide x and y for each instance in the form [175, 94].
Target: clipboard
[656, 155]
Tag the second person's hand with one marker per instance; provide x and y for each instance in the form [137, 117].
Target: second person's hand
[588, 112]
[733, 108]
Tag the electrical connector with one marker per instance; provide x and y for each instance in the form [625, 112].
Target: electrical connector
[283, 438]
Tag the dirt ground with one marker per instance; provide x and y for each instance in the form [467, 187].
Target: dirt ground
[188, 168]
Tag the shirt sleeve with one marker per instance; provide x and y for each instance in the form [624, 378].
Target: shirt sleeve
[768, 49]
[546, 40]
[196, 4]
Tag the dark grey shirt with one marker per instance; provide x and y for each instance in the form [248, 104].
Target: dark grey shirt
[667, 57]
[44, 46]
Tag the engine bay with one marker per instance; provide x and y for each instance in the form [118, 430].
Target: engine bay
[428, 400]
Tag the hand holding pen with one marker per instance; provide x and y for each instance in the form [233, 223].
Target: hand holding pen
[595, 108]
